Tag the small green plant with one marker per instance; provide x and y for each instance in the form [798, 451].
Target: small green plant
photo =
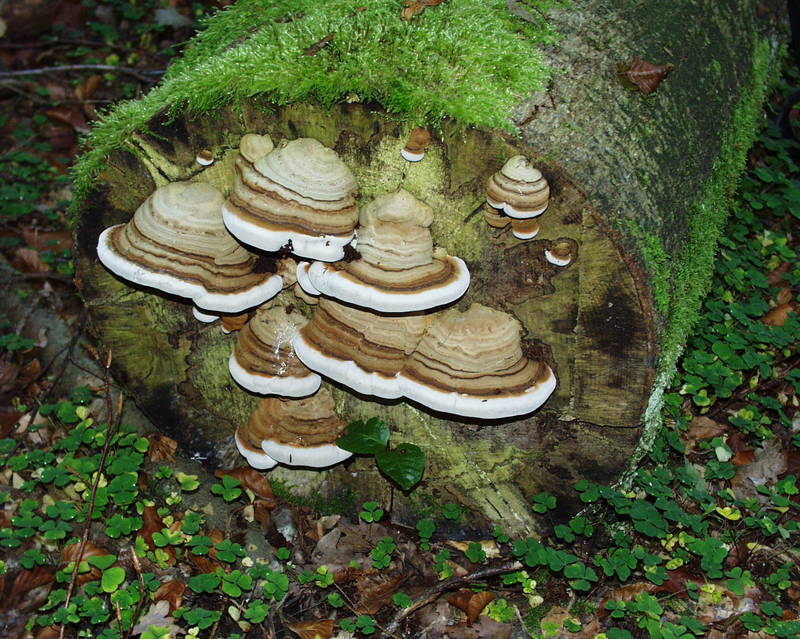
[404, 464]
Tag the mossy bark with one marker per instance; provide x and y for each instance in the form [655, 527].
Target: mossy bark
[623, 167]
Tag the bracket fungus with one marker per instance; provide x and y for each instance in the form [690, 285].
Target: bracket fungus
[298, 432]
[519, 189]
[300, 195]
[471, 364]
[418, 141]
[263, 360]
[177, 243]
[360, 349]
[399, 271]
[559, 254]
[462, 363]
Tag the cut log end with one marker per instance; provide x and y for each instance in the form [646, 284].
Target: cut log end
[584, 314]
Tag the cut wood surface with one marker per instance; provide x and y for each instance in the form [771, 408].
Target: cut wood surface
[627, 173]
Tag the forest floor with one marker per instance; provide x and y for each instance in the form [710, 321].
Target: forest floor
[106, 531]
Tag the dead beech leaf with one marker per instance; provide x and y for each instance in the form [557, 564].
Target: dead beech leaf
[472, 603]
[152, 525]
[785, 295]
[629, 592]
[171, 592]
[489, 546]
[162, 448]
[775, 276]
[554, 619]
[702, 427]
[205, 564]
[777, 316]
[29, 579]
[374, 591]
[646, 75]
[29, 373]
[158, 615]
[252, 479]
[321, 629]
[70, 554]
[47, 240]
[28, 261]
[8, 375]
[415, 7]
[742, 453]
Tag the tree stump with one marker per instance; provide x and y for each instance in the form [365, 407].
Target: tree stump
[638, 183]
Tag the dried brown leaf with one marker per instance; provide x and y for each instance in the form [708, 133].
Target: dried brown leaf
[157, 615]
[28, 261]
[47, 240]
[374, 591]
[321, 629]
[162, 448]
[489, 546]
[778, 315]
[415, 7]
[29, 373]
[251, 479]
[785, 295]
[171, 592]
[152, 524]
[29, 579]
[472, 603]
[70, 554]
[775, 276]
[702, 427]
[628, 592]
[646, 75]
[8, 376]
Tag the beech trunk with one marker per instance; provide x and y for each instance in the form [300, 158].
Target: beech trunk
[631, 176]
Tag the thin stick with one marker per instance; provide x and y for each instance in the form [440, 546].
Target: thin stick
[141, 74]
[112, 427]
[448, 584]
[142, 593]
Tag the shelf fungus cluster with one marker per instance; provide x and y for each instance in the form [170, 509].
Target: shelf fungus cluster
[517, 194]
[375, 293]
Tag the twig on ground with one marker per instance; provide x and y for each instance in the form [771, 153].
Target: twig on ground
[142, 594]
[113, 421]
[110, 68]
[448, 584]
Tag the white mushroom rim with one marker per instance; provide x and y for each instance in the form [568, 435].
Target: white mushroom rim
[412, 157]
[256, 459]
[493, 407]
[525, 236]
[346, 371]
[330, 281]
[558, 261]
[285, 386]
[314, 456]
[327, 248]
[206, 300]
[512, 212]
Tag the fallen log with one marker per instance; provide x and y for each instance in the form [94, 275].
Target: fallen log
[640, 176]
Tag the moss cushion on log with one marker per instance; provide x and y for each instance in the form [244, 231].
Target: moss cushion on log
[639, 186]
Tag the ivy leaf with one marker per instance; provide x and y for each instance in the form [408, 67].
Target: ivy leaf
[405, 464]
[368, 438]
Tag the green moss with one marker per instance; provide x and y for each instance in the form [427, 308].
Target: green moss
[692, 269]
[469, 61]
[343, 503]
[659, 263]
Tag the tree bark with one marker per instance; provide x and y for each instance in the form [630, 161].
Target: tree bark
[627, 173]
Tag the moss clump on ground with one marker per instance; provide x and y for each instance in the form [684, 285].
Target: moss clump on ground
[467, 60]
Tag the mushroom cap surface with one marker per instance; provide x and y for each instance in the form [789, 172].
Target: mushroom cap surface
[177, 243]
[263, 360]
[399, 270]
[471, 363]
[299, 432]
[300, 195]
[519, 189]
[362, 350]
